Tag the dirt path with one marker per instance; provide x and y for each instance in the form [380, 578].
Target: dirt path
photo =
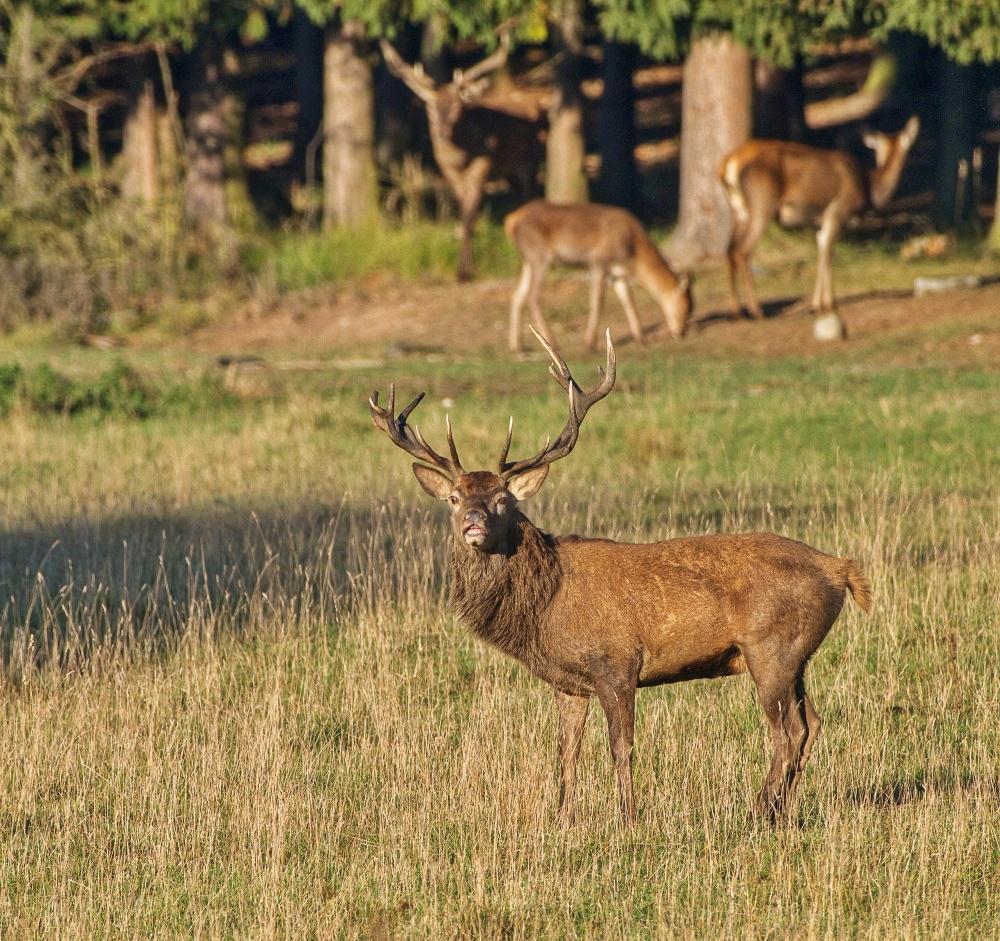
[956, 327]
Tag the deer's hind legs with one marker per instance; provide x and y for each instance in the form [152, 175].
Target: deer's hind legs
[782, 696]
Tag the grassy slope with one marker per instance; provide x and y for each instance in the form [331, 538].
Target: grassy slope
[236, 703]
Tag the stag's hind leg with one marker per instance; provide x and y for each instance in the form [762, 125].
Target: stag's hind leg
[517, 307]
[778, 682]
[754, 205]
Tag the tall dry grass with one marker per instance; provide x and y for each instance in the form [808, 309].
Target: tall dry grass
[235, 703]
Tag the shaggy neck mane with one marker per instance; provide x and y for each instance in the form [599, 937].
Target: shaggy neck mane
[504, 596]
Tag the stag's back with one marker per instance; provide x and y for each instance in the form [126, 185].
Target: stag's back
[573, 234]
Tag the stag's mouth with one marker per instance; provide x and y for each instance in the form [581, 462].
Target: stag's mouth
[475, 534]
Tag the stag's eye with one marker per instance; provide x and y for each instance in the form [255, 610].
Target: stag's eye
[453, 499]
[500, 504]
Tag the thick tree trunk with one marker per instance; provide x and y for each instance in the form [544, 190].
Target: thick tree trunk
[140, 174]
[619, 182]
[779, 102]
[952, 202]
[349, 184]
[240, 209]
[204, 181]
[715, 119]
[308, 42]
[565, 181]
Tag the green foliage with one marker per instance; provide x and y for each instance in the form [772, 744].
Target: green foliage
[967, 30]
[416, 251]
[118, 391]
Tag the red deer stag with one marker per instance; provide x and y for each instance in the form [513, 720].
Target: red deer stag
[472, 143]
[609, 241]
[599, 618]
[801, 185]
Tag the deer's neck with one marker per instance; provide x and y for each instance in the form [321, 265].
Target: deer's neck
[504, 597]
[651, 269]
[882, 181]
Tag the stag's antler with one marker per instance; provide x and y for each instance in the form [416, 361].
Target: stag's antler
[409, 438]
[492, 62]
[412, 75]
[579, 404]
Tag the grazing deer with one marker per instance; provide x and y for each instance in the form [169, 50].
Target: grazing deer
[472, 143]
[803, 185]
[609, 241]
[599, 618]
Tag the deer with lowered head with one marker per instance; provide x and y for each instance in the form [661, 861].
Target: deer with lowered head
[803, 185]
[593, 617]
[609, 241]
[472, 143]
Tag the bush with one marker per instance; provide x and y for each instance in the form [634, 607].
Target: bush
[119, 391]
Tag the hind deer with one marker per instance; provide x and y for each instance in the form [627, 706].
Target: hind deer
[594, 617]
[609, 241]
[801, 185]
[472, 143]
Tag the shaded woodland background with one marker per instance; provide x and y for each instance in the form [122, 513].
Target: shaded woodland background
[153, 151]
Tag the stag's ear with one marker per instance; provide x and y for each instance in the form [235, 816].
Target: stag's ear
[528, 484]
[433, 481]
[870, 139]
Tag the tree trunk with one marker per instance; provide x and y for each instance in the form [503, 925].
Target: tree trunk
[952, 202]
[715, 119]
[140, 176]
[204, 181]
[240, 209]
[349, 184]
[779, 102]
[619, 182]
[565, 181]
[308, 43]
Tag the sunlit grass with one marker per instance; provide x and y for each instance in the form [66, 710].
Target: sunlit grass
[236, 704]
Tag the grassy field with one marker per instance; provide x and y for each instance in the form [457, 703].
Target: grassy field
[235, 703]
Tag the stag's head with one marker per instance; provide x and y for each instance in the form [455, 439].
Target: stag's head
[483, 504]
[446, 102]
[890, 148]
[677, 303]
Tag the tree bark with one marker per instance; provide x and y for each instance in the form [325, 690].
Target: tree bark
[349, 183]
[204, 181]
[308, 43]
[715, 119]
[565, 180]
[779, 102]
[619, 181]
[140, 174]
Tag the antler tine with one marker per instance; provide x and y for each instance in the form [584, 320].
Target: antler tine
[579, 404]
[408, 437]
[493, 61]
[502, 463]
[451, 444]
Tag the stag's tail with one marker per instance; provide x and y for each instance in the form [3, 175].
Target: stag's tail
[858, 584]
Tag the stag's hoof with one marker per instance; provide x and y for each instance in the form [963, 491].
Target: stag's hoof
[829, 327]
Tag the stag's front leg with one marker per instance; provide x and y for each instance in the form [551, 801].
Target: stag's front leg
[470, 199]
[618, 701]
[598, 278]
[572, 719]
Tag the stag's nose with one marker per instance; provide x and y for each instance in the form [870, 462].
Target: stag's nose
[474, 527]
[474, 518]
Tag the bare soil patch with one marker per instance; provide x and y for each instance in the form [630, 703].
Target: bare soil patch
[959, 327]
